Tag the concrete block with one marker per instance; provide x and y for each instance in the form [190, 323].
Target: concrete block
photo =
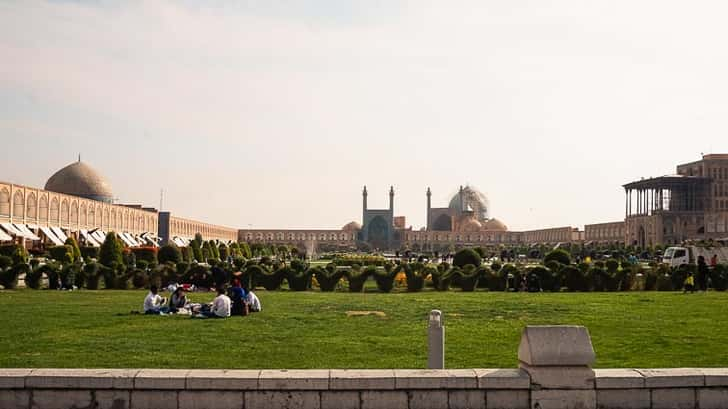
[435, 341]
[715, 376]
[14, 399]
[564, 399]
[282, 400]
[556, 345]
[154, 399]
[112, 399]
[623, 399]
[676, 398]
[558, 377]
[340, 400]
[470, 399]
[161, 379]
[222, 379]
[302, 380]
[81, 379]
[210, 400]
[618, 379]
[435, 379]
[384, 400]
[12, 378]
[713, 398]
[60, 399]
[427, 399]
[673, 378]
[503, 379]
[362, 379]
[512, 399]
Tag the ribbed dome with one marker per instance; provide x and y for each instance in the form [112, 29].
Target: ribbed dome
[470, 225]
[351, 226]
[80, 179]
[475, 201]
[495, 224]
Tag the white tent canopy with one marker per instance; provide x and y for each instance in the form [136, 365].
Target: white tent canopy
[51, 236]
[26, 232]
[4, 236]
[59, 233]
[90, 240]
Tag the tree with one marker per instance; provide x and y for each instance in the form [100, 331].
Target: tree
[76, 251]
[111, 252]
[169, 252]
[560, 255]
[466, 256]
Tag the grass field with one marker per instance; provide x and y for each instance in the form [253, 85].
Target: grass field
[312, 330]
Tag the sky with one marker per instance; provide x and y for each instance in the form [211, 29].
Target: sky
[274, 114]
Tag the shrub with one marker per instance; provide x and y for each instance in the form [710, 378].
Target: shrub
[299, 279]
[70, 274]
[91, 271]
[327, 277]
[496, 266]
[357, 278]
[271, 280]
[146, 254]
[512, 274]
[111, 251]
[223, 251]
[62, 254]
[547, 280]
[574, 279]
[169, 253]
[16, 252]
[719, 277]
[75, 251]
[139, 278]
[560, 255]
[384, 279]
[33, 277]
[415, 274]
[89, 252]
[664, 282]
[612, 266]
[494, 279]
[465, 257]
[468, 277]
[9, 274]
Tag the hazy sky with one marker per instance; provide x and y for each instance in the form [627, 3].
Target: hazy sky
[275, 113]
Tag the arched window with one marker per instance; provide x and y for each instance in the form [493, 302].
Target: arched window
[64, 211]
[91, 216]
[106, 220]
[54, 209]
[18, 205]
[32, 207]
[74, 212]
[84, 215]
[43, 208]
[5, 202]
[112, 219]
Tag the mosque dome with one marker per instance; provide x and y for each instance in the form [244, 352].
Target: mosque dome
[80, 179]
[475, 201]
[351, 227]
[495, 224]
[470, 224]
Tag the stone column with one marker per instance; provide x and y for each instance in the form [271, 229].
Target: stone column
[558, 359]
[436, 341]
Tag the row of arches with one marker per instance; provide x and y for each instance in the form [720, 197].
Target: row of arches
[469, 238]
[73, 212]
[300, 236]
[187, 228]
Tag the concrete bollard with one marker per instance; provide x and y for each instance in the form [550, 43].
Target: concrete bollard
[436, 341]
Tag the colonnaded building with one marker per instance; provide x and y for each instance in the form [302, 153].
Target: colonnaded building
[77, 201]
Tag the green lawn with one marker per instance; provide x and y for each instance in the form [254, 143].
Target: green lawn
[311, 330]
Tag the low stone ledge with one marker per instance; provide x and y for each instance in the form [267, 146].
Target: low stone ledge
[618, 379]
[13, 378]
[300, 380]
[715, 376]
[161, 379]
[222, 379]
[556, 345]
[673, 378]
[81, 379]
[361, 379]
[503, 379]
[435, 379]
[555, 377]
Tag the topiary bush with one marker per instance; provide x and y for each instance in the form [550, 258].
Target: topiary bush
[111, 251]
[298, 276]
[169, 253]
[75, 251]
[560, 255]
[62, 254]
[89, 252]
[547, 280]
[384, 279]
[9, 274]
[468, 277]
[465, 257]
[357, 277]
[575, 279]
[664, 282]
[328, 278]
[16, 252]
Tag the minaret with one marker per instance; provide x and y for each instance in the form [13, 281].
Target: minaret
[429, 207]
[462, 197]
[364, 205]
[391, 200]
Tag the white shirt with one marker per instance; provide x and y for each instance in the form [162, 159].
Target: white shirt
[253, 302]
[221, 306]
[152, 302]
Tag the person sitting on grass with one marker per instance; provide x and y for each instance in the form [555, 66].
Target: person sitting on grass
[154, 303]
[253, 302]
[689, 283]
[220, 305]
[178, 300]
[237, 296]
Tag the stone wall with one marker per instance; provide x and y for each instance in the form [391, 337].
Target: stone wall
[357, 389]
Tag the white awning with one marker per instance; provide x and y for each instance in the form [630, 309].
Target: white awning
[180, 242]
[130, 238]
[99, 236]
[90, 240]
[11, 229]
[124, 239]
[51, 236]
[4, 236]
[26, 232]
[59, 233]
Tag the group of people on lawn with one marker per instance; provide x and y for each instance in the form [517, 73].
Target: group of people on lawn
[235, 300]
